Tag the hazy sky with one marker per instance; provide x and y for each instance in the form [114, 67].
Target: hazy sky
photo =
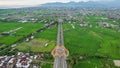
[18, 3]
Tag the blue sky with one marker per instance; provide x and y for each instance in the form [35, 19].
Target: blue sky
[22, 3]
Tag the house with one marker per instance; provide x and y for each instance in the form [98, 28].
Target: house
[23, 21]
[5, 33]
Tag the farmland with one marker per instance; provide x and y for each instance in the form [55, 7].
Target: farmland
[99, 40]
[93, 42]
[23, 32]
[15, 33]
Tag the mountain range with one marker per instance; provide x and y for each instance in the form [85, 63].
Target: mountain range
[84, 4]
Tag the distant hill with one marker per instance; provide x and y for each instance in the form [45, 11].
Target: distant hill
[84, 4]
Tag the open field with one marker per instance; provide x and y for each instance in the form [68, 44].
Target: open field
[36, 45]
[44, 42]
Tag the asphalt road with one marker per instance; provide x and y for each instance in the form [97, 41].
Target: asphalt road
[60, 61]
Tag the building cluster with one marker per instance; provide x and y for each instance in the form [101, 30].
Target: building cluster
[20, 60]
[107, 25]
[85, 24]
[28, 20]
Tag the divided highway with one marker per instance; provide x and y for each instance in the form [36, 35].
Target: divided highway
[60, 52]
